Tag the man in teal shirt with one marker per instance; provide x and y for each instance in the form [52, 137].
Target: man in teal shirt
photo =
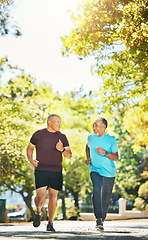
[101, 152]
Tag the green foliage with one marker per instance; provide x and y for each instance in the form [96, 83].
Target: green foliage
[143, 190]
[95, 26]
[7, 25]
[116, 31]
[137, 125]
[133, 29]
[16, 113]
[22, 103]
[130, 165]
[69, 209]
[139, 204]
[99, 24]
[125, 83]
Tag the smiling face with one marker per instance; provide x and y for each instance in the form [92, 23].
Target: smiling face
[54, 124]
[99, 128]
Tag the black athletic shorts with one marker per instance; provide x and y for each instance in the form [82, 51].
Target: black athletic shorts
[48, 178]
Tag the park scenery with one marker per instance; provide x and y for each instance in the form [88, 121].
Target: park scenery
[112, 38]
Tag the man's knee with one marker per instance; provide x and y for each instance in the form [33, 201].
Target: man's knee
[52, 194]
[40, 195]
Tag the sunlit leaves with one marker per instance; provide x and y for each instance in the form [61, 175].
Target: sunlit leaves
[139, 204]
[130, 165]
[95, 26]
[143, 190]
[133, 29]
[141, 201]
[124, 81]
[136, 122]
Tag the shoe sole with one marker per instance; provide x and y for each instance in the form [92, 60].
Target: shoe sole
[36, 226]
[38, 223]
[100, 227]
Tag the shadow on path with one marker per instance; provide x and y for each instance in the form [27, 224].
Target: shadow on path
[60, 235]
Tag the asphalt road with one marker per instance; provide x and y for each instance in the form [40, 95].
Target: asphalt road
[113, 230]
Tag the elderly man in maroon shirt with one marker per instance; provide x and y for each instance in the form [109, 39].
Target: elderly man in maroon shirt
[50, 144]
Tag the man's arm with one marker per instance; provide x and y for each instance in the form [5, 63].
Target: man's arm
[87, 155]
[65, 150]
[29, 151]
[112, 156]
[67, 153]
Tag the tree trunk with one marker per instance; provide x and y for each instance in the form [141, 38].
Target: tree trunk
[63, 205]
[27, 200]
[76, 199]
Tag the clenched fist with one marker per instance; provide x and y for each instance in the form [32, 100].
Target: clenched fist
[59, 146]
[87, 161]
[35, 162]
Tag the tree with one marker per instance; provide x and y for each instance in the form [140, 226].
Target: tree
[125, 84]
[23, 102]
[18, 109]
[136, 125]
[7, 24]
[16, 173]
[103, 23]
[116, 33]
[95, 27]
[131, 167]
[141, 202]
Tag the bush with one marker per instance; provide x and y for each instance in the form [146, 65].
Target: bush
[139, 204]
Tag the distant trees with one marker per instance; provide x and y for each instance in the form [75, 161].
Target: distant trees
[16, 113]
[7, 24]
[130, 165]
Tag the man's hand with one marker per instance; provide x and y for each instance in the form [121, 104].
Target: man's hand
[112, 156]
[87, 161]
[34, 162]
[100, 151]
[30, 149]
[59, 146]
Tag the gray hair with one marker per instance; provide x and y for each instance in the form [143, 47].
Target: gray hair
[103, 120]
[51, 116]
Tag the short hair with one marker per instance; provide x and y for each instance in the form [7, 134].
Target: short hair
[51, 116]
[103, 120]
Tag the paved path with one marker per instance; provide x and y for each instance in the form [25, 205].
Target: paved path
[71, 230]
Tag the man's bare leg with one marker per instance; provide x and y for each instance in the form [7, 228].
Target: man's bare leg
[40, 198]
[52, 205]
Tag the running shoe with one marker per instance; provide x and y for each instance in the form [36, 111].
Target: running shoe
[37, 220]
[99, 223]
[50, 227]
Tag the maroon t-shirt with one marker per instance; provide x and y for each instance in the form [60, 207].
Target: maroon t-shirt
[46, 153]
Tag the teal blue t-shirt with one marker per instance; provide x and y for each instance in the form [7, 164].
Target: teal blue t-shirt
[99, 163]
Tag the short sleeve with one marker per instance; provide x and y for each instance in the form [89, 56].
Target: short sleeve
[65, 140]
[34, 139]
[114, 147]
[88, 141]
